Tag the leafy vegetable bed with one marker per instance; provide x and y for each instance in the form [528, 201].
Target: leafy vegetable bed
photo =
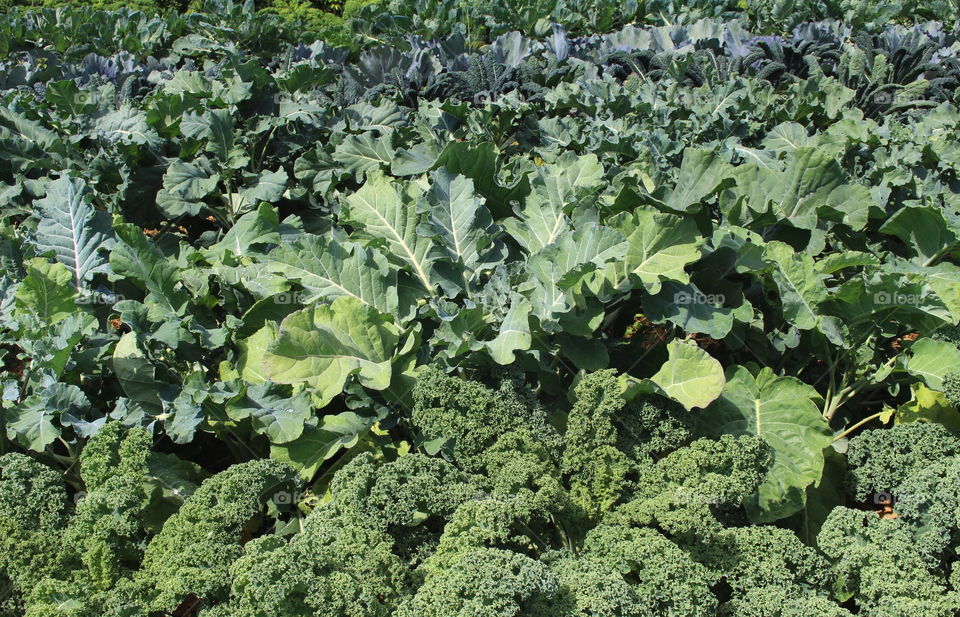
[657, 321]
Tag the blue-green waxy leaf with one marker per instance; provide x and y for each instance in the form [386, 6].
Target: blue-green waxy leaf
[136, 374]
[849, 204]
[251, 231]
[69, 226]
[791, 195]
[585, 354]
[10, 391]
[272, 412]
[924, 230]
[182, 417]
[588, 244]
[217, 127]
[932, 360]
[940, 284]
[783, 412]
[266, 186]
[413, 161]
[221, 140]
[328, 269]
[480, 163]
[362, 154]
[568, 180]
[836, 262]
[136, 259]
[188, 182]
[801, 288]
[47, 292]
[554, 191]
[126, 125]
[659, 247]
[67, 97]
[184, 187]
[463, 230]
[26, 143]
[384, 216]
[317, 170]
[251, 351]
[558, 269]
[691, 309]
[743, 247]
[324, 345]
[51, 351]
[538, 224]
[785, 137]
[514, 334]
[170, 481]
[188, 82]
[32, 422]
[701, 173]
[308, 452]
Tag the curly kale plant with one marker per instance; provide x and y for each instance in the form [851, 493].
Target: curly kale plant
[577, 510]
[951, 388]
[502, 506]
[878, 563]
[915, 469]
[337, 565]
[194, 551]
[74, 558]
[882, 459]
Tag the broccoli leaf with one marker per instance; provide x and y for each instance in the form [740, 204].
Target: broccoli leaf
[690, 375]
[783, 412]
[72, 229]
[931, 361]
[324, 345]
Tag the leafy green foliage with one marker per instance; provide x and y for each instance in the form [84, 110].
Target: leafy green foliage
[77, 556]
[865, 546]
[423, 307]
[951, 388]
[882, 460]
[314, 21]
[336, 565]
[518, 521]
[194, 551]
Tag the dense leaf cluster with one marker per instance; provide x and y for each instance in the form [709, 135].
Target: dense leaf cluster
[522, 514]
[551, 308]
[352, 21]
[471, 206]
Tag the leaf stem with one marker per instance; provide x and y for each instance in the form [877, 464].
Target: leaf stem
[847, 392]
[869, 418]
[263, 150]
[936, 257]
[166, 227]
